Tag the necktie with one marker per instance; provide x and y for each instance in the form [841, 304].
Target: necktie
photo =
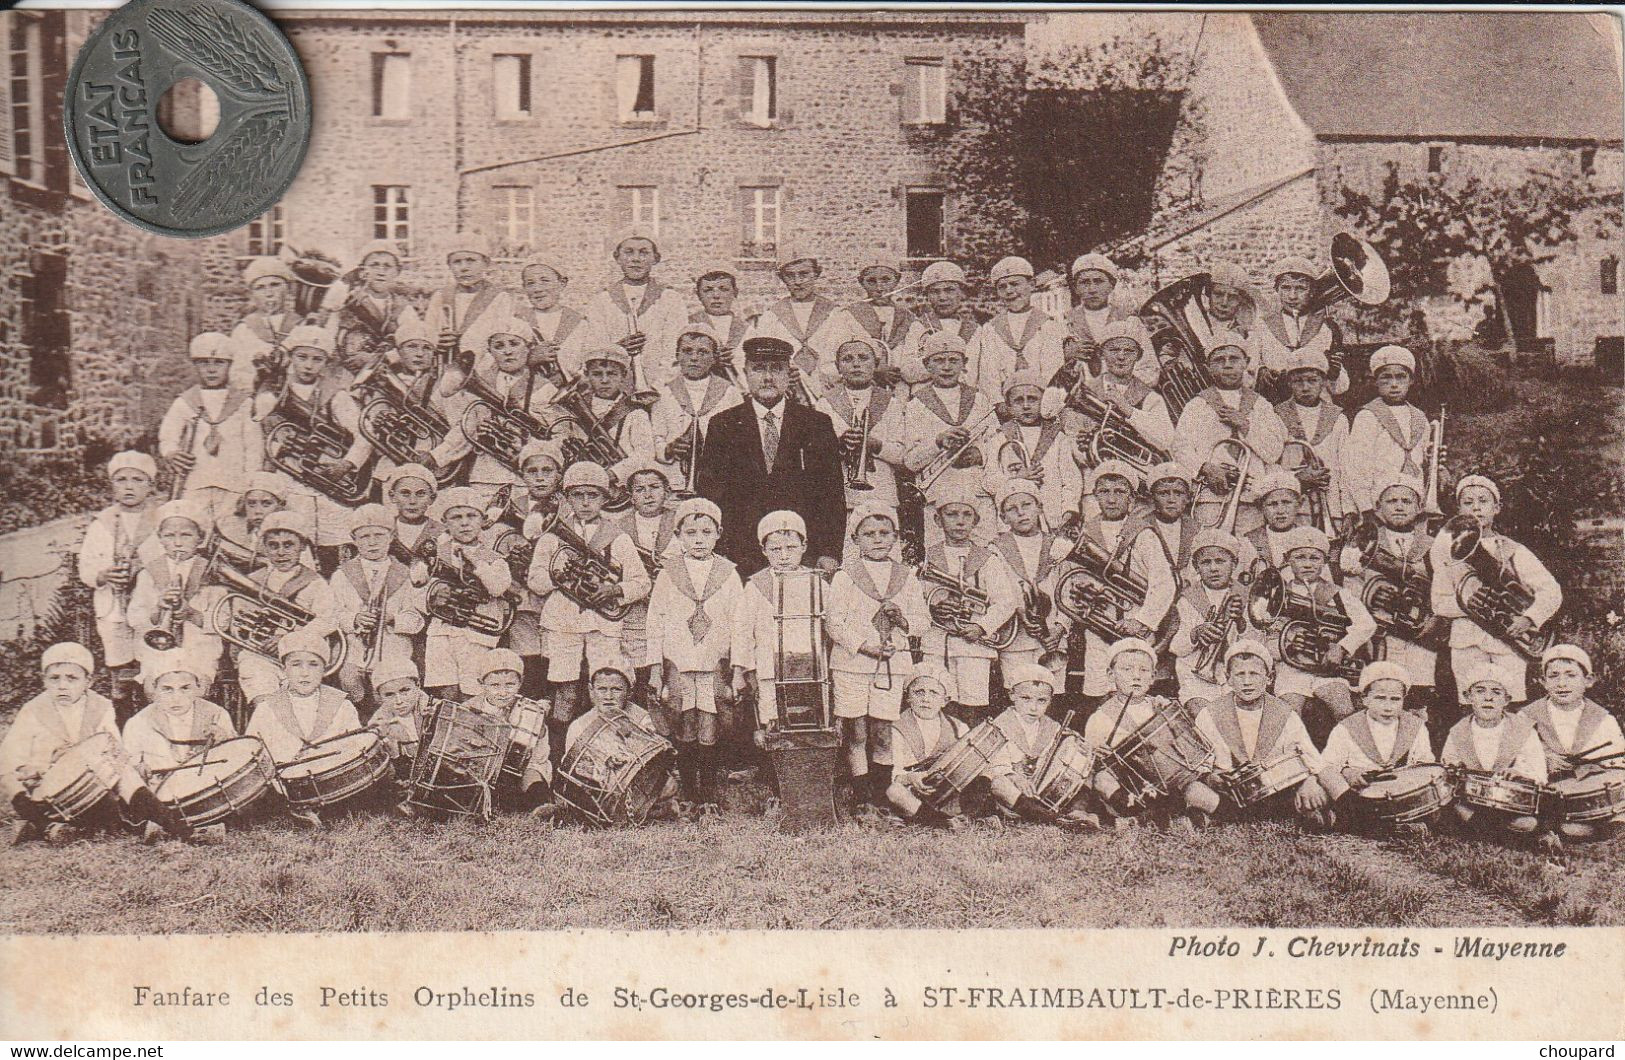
[211, 441]
[770, 438]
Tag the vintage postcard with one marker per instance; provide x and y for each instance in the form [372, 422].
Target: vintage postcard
[835, 523]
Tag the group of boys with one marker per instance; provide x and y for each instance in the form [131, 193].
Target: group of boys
[971, 457]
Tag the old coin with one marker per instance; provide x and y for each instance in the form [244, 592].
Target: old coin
[190, 190]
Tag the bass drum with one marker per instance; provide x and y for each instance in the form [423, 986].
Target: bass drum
[615, 771]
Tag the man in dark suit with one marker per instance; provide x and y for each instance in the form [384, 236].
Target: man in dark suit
[768, 454]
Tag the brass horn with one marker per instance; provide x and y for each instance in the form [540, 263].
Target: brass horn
[1357, 272]
[255, 618]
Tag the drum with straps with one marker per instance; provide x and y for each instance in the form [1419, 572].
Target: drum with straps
[80, 778]
[1252, 783]
[224, 780]
[960, 765]
[458, 758]
[1163, 756]
[333, 770]
[527, 729]
[1499, 791]
[1404, 796]
[1597, 796]
[1059, 781]
[615, 771]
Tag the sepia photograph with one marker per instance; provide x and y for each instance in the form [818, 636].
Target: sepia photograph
[731, 470]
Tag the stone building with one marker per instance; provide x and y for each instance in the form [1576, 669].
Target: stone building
[1288, 108]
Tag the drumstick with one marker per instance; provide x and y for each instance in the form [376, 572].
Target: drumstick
[1581, 756]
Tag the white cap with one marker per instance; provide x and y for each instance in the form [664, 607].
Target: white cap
[309, 335]
[1293, 266]
[1222, 340]
[1410, 482]
[936, 342]
[773, 522]
[869, 510]
[209, 346]
[1384, 670]
[635, 232]
[1478, 480]
[942, 272]
[417, 471]
[1166, 470]
[472, 241]
[699, 327]
[1128, 644]
[393, 668]
[1120, 468]
[585, 473]
[1015, 487]
[516, 326]
[412, 328]
[697, 506]
[1229, 274]
[457, 497]
[931, 671]
[496, 660]
[609, 354]
[182, 508]
[285, 520]
[1214, 537]
[549, 448]
[260, 268]
[1025, 377]
[1011, 266]
[1304, 358]
[67, 652]
[1572, 652]
[1127, 328]
[1392, 355]
[1305, 537]
[132, 460]
[378, 246]
[1021, 673]
[1249, 646]
[305, 640]
[1096, 263]
[1275, 478]
[372, 515]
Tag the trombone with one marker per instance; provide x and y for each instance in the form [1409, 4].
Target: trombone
[979, 432]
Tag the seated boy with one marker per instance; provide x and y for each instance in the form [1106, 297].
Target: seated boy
[1579, 736]
[178, 724]
[1381, 738]
[922, 732]
[65, 714]
[1132, 664]
[1249, 726]
[611, 691]
[1490, 741]
[303, 711]
[494, 711]
[1029, 733]
[404, 711]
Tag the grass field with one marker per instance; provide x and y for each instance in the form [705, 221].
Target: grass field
[380, 873]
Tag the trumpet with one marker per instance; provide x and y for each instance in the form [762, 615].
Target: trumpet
[166, 632]
[1430, 474]
[953, 600]
[254, 617]
[689, 463]
[1295, 455]
[979, 431]
[588, 578]
[124, 563]
[1308, 631]
[397, 427]
[1491, 593]
[456, 596]
[1114, 438]
[1097, 592]
[177, 485]
[859, 461]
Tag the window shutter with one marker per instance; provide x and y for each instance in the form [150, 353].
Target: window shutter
[8, 160]
[911, 92]
[745, 87]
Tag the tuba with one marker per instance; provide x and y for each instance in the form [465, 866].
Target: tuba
[254, 617]
[314, 274]
[398, 427]
[1308, 631]
[584, 575]
[456, 597]
[1490, 593]
[1097, 593]
[497, 429]
[952, 600]
[1114, 438]
[1174, 342]
[302, 440]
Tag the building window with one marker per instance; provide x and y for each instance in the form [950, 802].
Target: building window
[924, 216]
[1610, 275]
[640, 207]
[24, 151]
[266, 233]
[759, 89]
[391, 214]
[45, 329]
[515, 213]
[635, 87]
[392, 85]
[510, 78]
[1435, 158]
[759, 217]
[1588, 160]
[925, 91]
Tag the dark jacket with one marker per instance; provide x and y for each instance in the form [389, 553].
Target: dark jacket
[806, 479]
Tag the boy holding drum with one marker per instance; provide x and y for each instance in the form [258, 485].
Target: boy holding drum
[1489, 741]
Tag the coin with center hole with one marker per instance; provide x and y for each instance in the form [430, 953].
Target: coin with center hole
[142, 173]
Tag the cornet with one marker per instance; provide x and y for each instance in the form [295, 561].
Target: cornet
[689, 463]
[1435, 456]
[1231, 613]
[979, 432]
[1295, 455]
[166, 632]
[860, 461]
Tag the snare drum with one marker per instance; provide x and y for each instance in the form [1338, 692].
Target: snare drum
[1254, 782]
[456, 765]
[80, 778]
[226, 779]
[1598, 796]
[1165, 755]
[1404, 796]
[615, 771]
[1497, 791]
[335, 769]
[1066, 774]
[961, 764]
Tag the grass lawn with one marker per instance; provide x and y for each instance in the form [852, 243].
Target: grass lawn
[373, 872]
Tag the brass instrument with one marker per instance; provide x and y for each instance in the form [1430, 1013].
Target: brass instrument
[125, 563]
[166, 632]
[177, 485]
[690, 463]
[1357, 272]
[584, 437]
[980, 431]
[589, 579]
[255, 618]
[222, 550]
[859, 462]
[456, 596]
[297, 445]
[398, 427]
[1430, 474]
[1297, 454]
[1180, 352]
[1240, 469]
[1396, 592]
[497, 429]
[952, 600]
[1490, 593]
[1232, 611]
[1114, 438]
[1307, 631]
[314, 274]
[375, 642]
[1098, 593]
[642, 393]
[888, 620]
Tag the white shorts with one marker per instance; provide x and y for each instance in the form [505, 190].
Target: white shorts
[856, 696]
[451, 660]
[1467, 662]
[566, 650]
[971, 675]
[1291, 681]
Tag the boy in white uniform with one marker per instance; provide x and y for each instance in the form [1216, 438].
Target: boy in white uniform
[1032, 555]
[513, 383]
[1285, 332]
[284, 538]
[1280, 502]
[1096, 316]
[1381, 738]
[1228, 409]
[119, 539]
[1311, 417]
[813, 325]
[923, 731]
[1122, 351]
[1389, 435]
[1472, 647]
[171, 594]
[1488, 740]
[938, 421]
[965, 647]
[1213, 615]
[696, 394]
[1018, 337]
[302, 711]
[1579, 736]
[376, 606]
[209, 435]
[854, 395]
[636, 313]
[1033, 446]
[876, 608]
[783, 537]
[450, 652]
[410, 490]
[691, 612]
[1029, 733]
[179, 723]
[559, 329]
[893, 330]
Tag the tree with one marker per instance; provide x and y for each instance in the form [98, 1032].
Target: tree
[1424, 225]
